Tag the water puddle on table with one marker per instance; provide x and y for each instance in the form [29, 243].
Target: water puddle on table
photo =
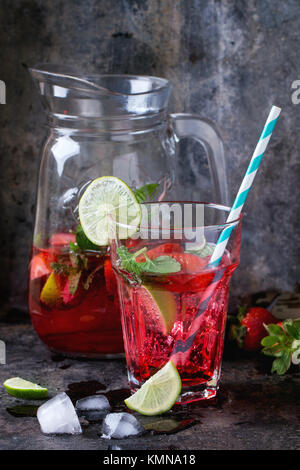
[179, 418]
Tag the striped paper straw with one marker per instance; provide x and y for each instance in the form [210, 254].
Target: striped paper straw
[182, 348]
[246, 185]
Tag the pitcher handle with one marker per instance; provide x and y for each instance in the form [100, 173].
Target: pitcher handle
[206, 133]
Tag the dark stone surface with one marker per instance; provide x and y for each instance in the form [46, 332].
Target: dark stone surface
[228, 61]
[254, 410]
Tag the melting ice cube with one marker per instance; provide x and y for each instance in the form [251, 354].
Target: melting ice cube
[114, 447]
[94, 402]
[58, 416]
[120, 426]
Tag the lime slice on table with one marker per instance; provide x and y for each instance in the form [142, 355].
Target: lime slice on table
[105, 199]
[21, 388]
[158, 394]
[160, 307]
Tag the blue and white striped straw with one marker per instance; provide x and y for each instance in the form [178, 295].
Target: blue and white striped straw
[246, 185]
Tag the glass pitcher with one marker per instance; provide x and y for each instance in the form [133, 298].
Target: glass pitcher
[99, 125]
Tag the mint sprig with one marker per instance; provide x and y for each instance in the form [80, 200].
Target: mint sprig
[82, 241]
[146, 192]
[74, 279]
[73, 273]
[159, 265]
[283, 343]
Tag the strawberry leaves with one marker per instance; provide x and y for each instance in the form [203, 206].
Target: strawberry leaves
[237, 331]
[283, 343]
[249, 327]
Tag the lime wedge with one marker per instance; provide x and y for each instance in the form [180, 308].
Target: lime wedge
[203, 249]
[21, 388]
[159, 307]
[107, 199]
[50, 294]
[196, 246]
[158, 394]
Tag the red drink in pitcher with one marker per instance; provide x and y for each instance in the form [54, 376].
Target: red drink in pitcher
[73, 299]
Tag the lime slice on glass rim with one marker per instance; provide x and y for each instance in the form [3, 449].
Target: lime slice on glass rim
[158, 394]
[21, 388]
[106, 199]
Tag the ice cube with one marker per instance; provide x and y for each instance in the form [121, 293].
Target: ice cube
[93, 402]
[58, 416]
[114, 447]
[93, 416]
[120, 426]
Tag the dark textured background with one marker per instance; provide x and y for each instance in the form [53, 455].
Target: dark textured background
[228, 61]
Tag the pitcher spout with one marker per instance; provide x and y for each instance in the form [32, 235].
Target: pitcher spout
[67, 92]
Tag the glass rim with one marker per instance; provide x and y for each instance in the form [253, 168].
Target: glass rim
[69, 73]
[213, 205]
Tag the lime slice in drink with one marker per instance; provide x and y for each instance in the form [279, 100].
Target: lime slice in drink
[196, 246]
[202, 249]
[158, 394]
[21, 388]
[159, 307]
[107, 199]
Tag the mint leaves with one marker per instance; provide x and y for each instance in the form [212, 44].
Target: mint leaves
[159, 265]
[82, 241]
[74, 279]
[73, 273]
[77, 262]
[145, 192]
[283, 343]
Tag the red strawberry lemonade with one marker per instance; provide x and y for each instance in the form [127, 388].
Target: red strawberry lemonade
[73, 299]
[179, 316]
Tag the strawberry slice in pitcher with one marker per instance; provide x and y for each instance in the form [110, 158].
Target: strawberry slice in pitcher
[38, 266]
[72, 295]
[62, 239]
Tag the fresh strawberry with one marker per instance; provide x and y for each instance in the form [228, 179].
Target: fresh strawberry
[283, 343]
[248, 328]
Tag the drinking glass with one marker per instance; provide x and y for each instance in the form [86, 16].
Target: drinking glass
[178, 316]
